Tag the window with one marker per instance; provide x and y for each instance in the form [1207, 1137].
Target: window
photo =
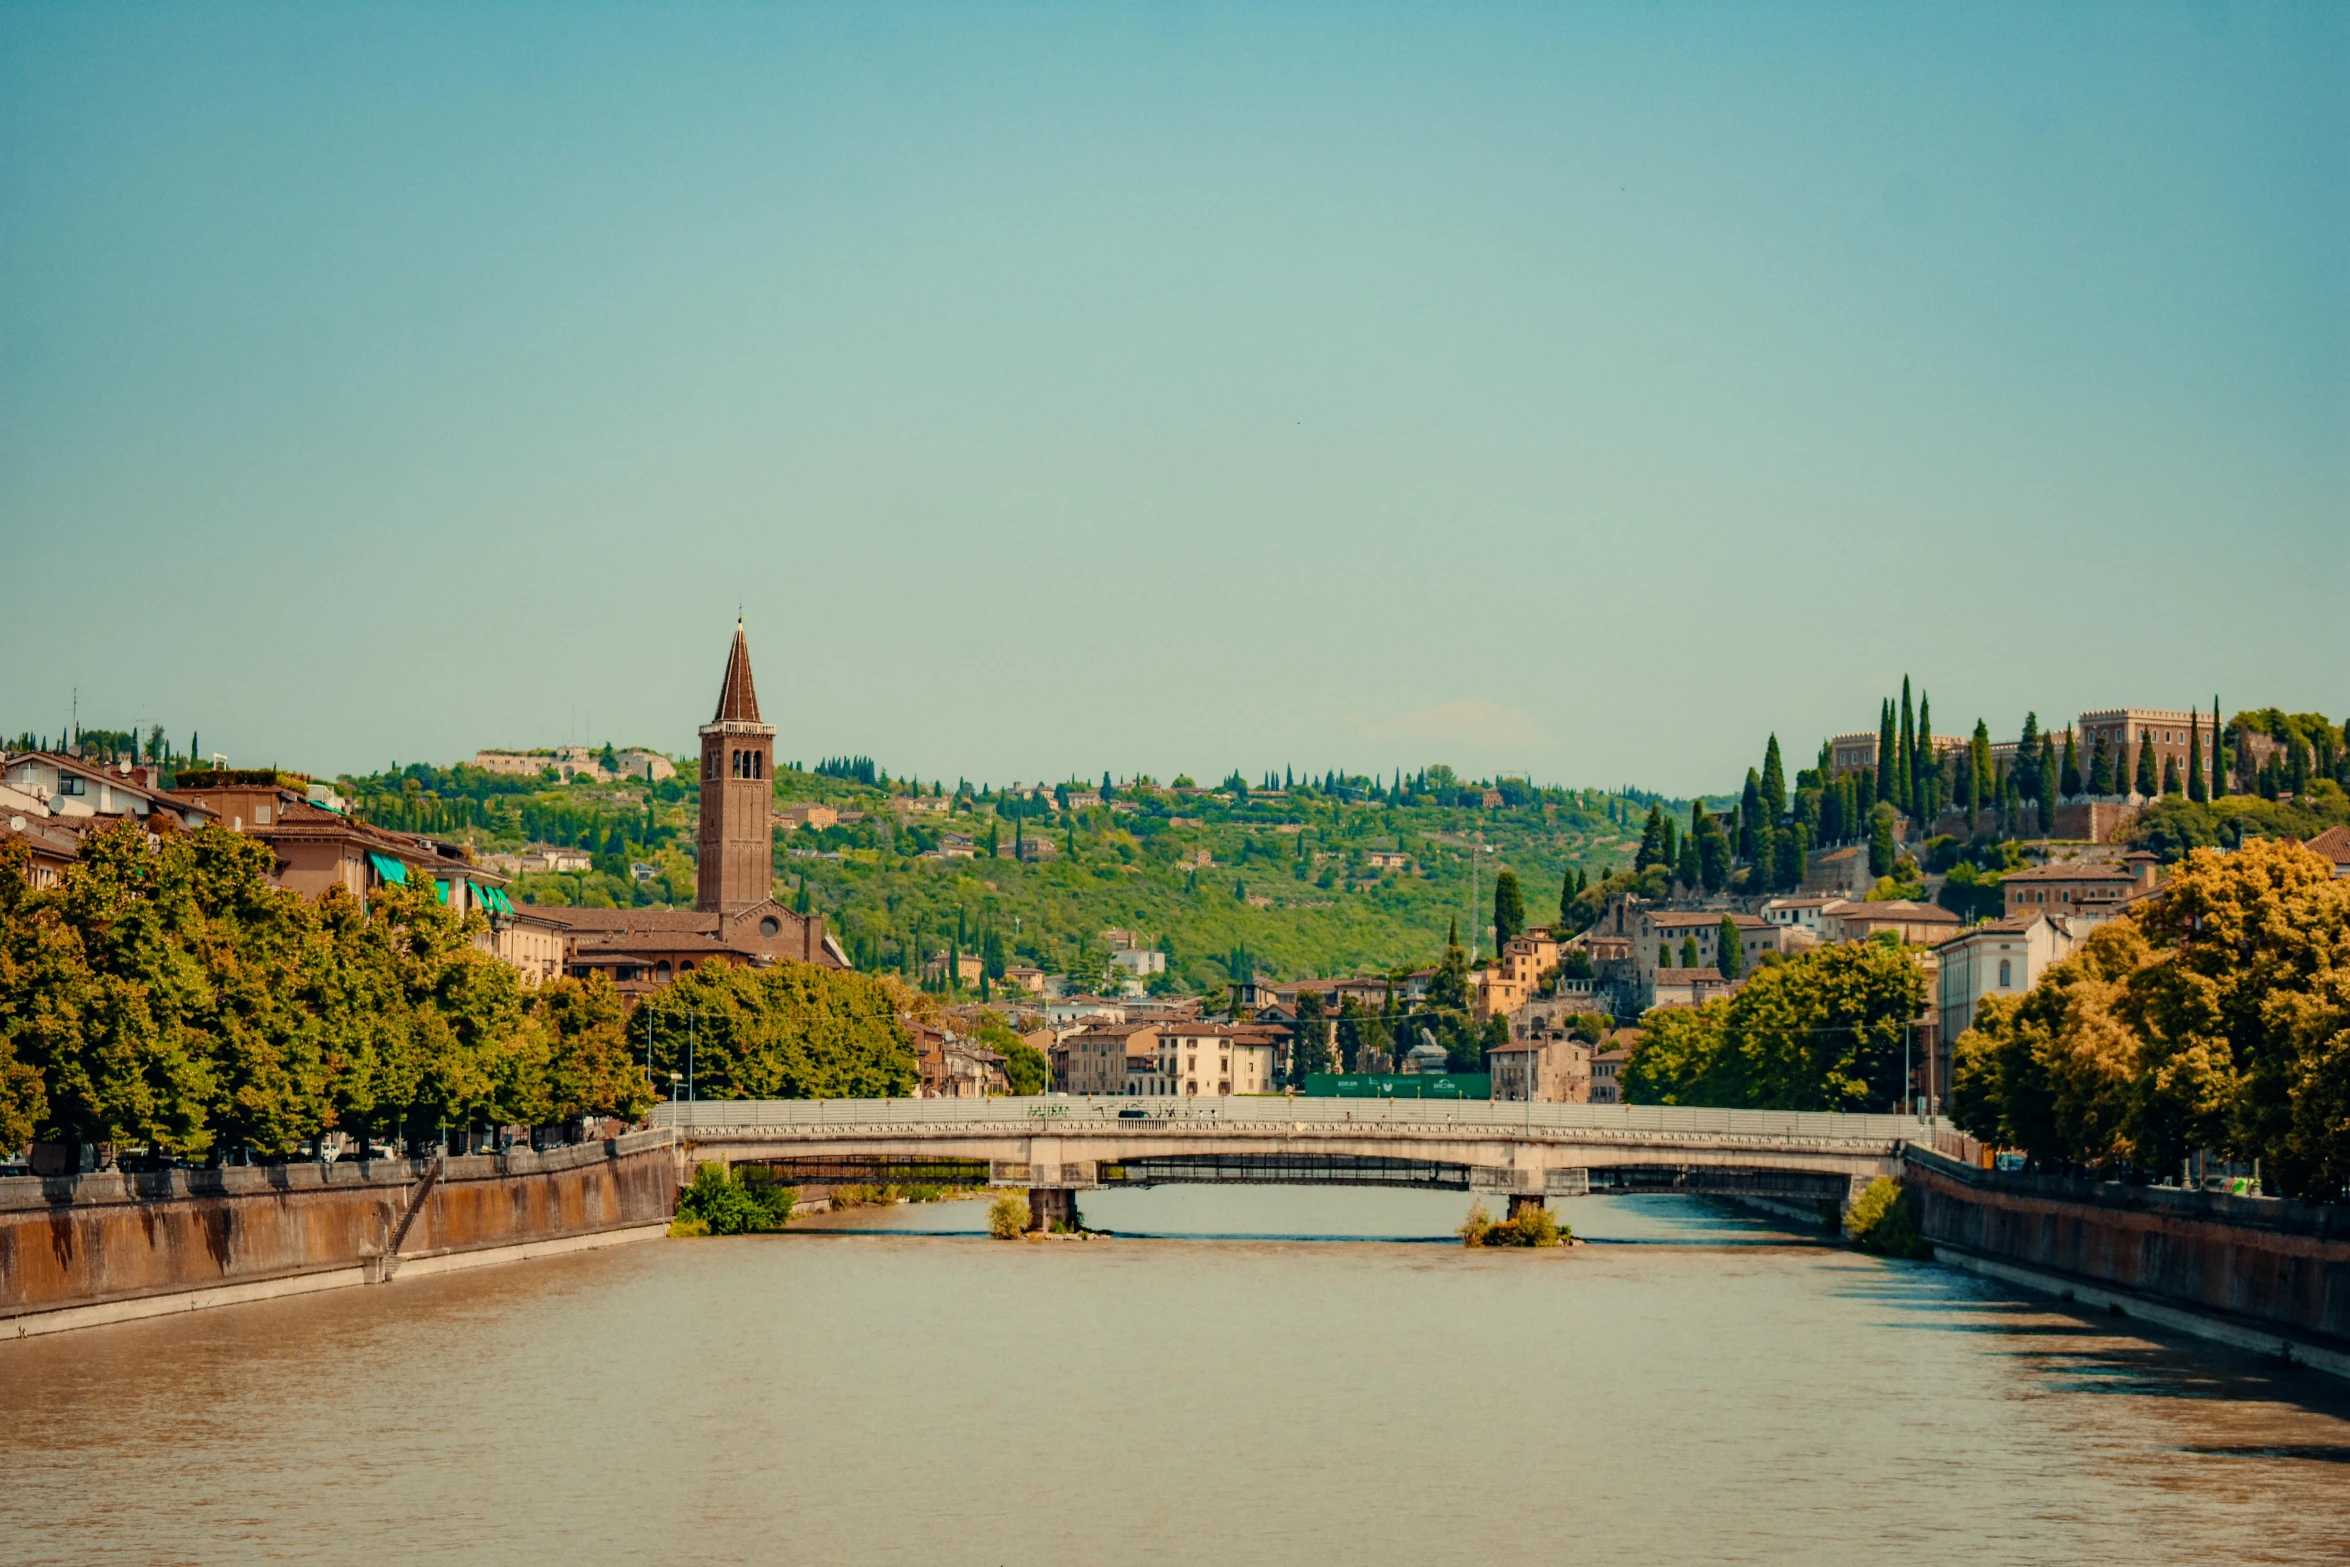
[769, 926]
[2006, 974]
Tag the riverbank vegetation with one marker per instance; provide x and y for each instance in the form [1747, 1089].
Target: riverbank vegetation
[165, 996]
[1532, 1225]
[747, 1201]
[1884, 1221]
[1007, 1217]
[2217, 1018]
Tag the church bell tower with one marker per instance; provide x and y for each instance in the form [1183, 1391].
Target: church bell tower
[737, 830]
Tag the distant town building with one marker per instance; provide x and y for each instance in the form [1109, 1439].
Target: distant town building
[1607, 1069]
[2161, 730]
[1554, 1071]
[2096, 889]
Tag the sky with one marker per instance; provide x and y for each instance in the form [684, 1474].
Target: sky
[1583, 392]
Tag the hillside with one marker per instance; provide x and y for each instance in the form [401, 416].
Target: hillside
[1279, 879]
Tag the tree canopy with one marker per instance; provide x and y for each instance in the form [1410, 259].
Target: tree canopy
[2218, 1017]
[165, 995]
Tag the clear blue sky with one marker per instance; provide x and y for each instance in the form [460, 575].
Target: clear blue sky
[1586, 390]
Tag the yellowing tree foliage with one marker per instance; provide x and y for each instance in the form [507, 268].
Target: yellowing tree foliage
[2217, 1017]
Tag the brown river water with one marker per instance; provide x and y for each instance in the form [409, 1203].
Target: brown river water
[1693, 1386]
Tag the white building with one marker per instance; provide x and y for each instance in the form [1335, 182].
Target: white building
[2003, 957]
[1197, 1059]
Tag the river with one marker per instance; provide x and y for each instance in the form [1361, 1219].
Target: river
[1693, 1386]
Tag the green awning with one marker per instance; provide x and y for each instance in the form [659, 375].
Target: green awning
[440, 890]
[492, 899]
[390, 869]
[505, 904]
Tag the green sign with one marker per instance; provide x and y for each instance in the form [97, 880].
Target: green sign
[1398, 1085]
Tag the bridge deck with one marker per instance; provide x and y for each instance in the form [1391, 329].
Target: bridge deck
[1062, 1142]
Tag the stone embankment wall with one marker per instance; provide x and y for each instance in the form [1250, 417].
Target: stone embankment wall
[109, 1240]
[2281, 1266]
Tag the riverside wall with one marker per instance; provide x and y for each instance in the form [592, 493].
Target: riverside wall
[108, 1246]
[2259, 1265]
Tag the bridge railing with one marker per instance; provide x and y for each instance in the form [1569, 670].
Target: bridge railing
[1042, 1115]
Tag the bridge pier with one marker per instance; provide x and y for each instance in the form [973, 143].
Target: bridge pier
[1521, 1201]
[1049, 1206]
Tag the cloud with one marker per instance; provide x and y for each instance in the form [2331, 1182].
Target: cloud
[1465, 721]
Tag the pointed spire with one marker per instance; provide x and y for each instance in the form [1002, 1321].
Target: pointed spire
[737, 701]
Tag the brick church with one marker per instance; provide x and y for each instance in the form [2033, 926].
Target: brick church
[735, 917]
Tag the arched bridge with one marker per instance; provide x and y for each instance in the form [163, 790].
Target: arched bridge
[1059, 1146]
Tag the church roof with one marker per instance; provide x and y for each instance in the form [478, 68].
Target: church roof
[737, 701]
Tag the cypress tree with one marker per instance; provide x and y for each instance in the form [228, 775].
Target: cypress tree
[1689, 952]
[2027, 759]
[2047, 772]
[2170, 775]
[1652, 840]
[1690, 873]
[2195, 757]
[1774, 782]
[1928, 786]
[1906, 765]
[1881, 845]
[1729, 951]
[1986, 773]
[2147, 781]
[1509, 909]
[1672, 844]
[1750, 816]
[2219, 738]
[2069, 784]
[1886, 744]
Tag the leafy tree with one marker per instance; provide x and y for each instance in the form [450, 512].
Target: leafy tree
[2213, 1018]
[1509, 909]
[1822, 1031]
[1729, 950]
[791, 1031]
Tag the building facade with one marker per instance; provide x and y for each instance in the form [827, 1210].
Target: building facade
[2163, 731]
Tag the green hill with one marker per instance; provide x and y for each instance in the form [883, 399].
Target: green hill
[1280, 879]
